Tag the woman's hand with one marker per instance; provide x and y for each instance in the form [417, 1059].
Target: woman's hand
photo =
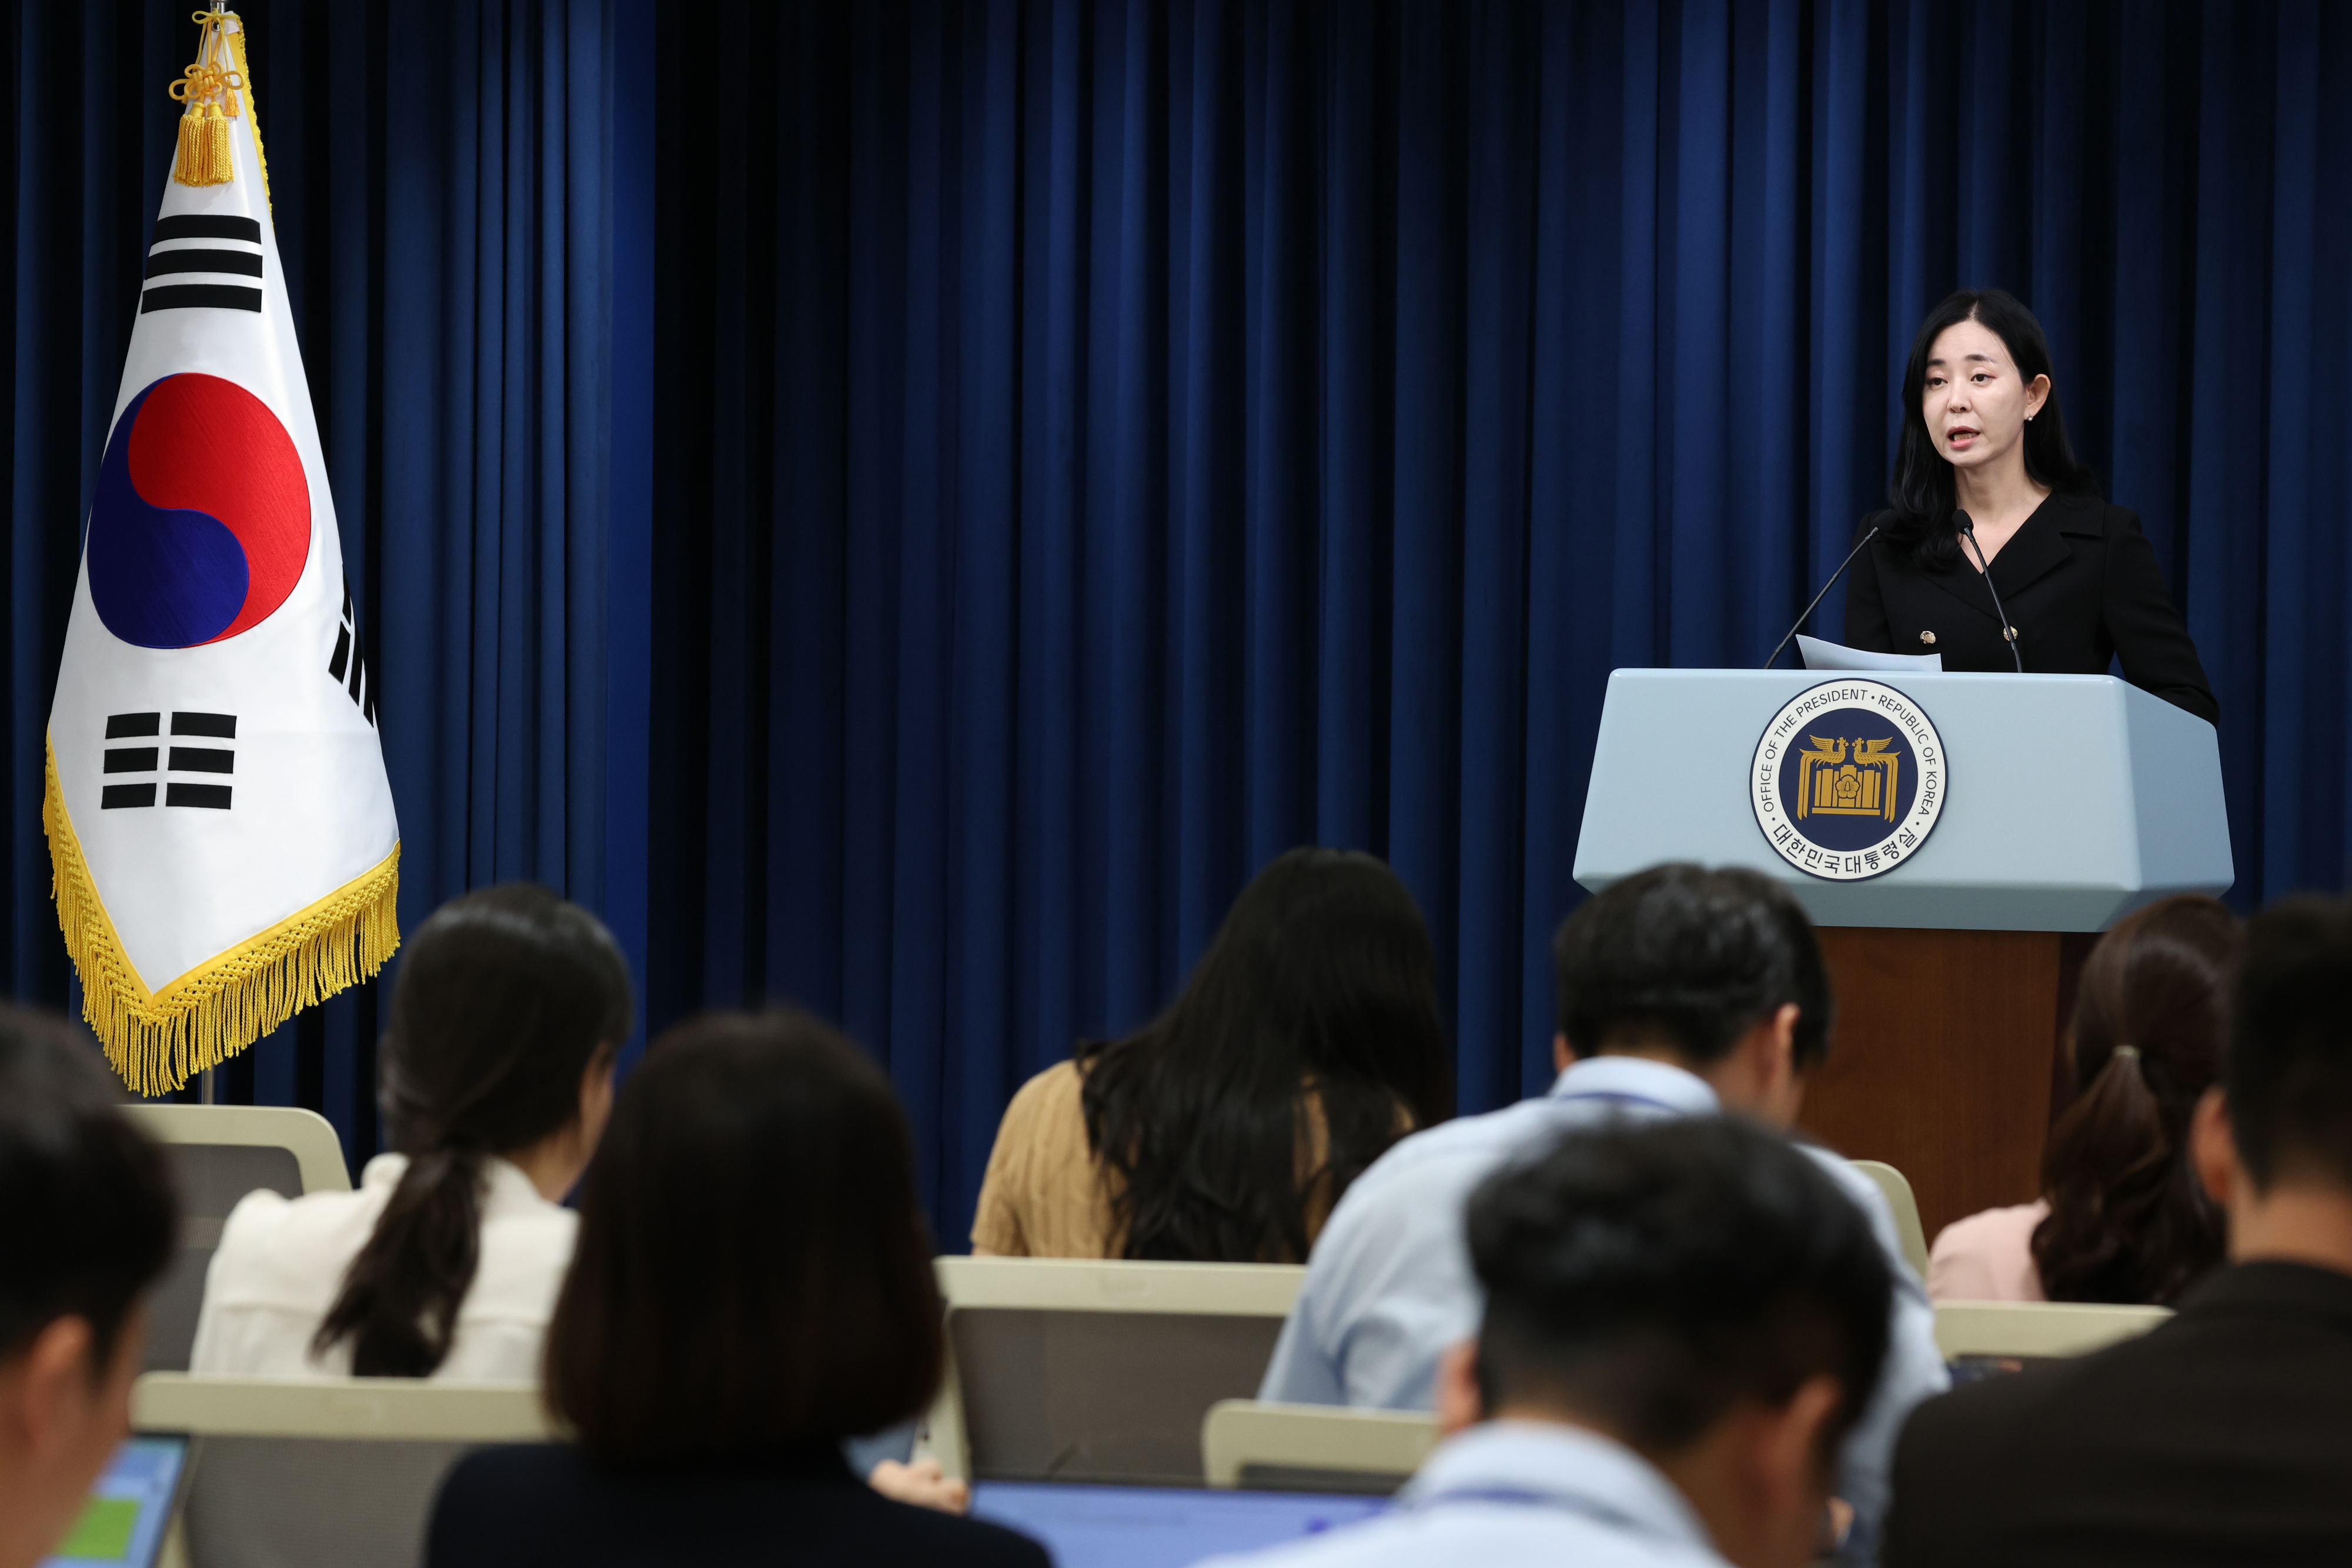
[920, 1483]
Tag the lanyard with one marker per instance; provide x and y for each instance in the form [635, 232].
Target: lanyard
[1619, 1097]
[1558, 1502]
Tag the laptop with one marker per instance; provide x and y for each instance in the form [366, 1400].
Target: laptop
[1088, 1526]
[130, 1508]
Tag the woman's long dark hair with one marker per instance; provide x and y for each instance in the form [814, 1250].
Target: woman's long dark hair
[2128, 1219]
[1322, 975]
[505, 998]
[1922, 493]
[753, 1279]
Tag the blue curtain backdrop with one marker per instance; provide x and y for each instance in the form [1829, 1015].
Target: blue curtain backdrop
[1093, 446]
[444, 193]
[1104, 444]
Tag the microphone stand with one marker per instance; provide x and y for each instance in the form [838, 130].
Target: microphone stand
[1824, 592]
[1984, 568]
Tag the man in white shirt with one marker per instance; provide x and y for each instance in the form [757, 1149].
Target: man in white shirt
[1683, 1318]
[1683, 992]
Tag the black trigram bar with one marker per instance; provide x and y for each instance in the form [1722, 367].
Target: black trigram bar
[220, 725]
[119, 725]
[200, 295]
[114, 796]
[215, 796]
[132, 758]
[208, 225]
[202, 759]
[348, 663]
[245, 262]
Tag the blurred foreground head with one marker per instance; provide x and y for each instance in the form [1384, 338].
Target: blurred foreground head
[87, 1220]
[2288, 1070]
[1699, 1291]
[753, 1279]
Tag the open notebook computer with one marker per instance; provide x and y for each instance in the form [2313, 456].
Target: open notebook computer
[130, 1508]
[1089, 1526]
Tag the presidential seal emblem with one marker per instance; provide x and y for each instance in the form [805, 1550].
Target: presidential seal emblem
[1849, 780]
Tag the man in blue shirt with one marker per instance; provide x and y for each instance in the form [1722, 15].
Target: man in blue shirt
[1683, 1317]
[1683, 992]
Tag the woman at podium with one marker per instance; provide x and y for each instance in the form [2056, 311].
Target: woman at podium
[1992, 508]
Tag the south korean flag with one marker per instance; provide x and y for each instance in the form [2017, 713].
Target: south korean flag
[220, 828]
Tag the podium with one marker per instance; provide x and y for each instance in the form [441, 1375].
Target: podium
[2060, 804]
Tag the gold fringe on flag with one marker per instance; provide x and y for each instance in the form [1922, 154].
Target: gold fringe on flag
[252, 113]
[211, 92]
[158, 1041]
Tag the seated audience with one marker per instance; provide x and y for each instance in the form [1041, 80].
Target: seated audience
[2123, 1217]
[1683, 1319]
[1682, 992]
[2222, 1437]
[753, 1285]
[87, 1217]
[496, 1078]
[1307, 1040]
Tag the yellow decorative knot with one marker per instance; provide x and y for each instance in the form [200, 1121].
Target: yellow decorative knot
[212, 91]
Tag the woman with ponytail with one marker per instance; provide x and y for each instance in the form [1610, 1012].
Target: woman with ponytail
[2123, 1217]
[496, 1080]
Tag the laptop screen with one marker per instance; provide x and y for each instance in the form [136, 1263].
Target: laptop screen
[1159, 1527]
[122, 1525]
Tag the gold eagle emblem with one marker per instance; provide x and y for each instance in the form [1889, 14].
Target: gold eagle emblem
[1842, 779]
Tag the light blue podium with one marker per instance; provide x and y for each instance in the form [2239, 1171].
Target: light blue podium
[2068, 801]
[2073, 799]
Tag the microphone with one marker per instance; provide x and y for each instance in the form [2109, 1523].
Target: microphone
[1984, 568]
[1824, 592]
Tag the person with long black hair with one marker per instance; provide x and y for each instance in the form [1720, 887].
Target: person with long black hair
[1307, 1042]
[496, 1079]
[1984, 445]
[2123, 1217]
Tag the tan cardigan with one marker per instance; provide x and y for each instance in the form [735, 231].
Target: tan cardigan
[1046, 1195]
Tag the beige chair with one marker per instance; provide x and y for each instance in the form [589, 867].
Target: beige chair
[1063, 1369]
[1313, 1447]
[2029, 1329]
[218, 1154]
[1906, 1205]
[339, 1473]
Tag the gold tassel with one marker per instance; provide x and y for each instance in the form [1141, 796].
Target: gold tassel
[206, 156]
[157, 1041]
[224, 158]
[244, 95]
[196, 161]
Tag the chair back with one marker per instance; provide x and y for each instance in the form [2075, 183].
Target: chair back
[1313, 1447]
[1076, 1370]
[2026, 1328]
[332, 1473]
[1906, 1205]
[218, 1154]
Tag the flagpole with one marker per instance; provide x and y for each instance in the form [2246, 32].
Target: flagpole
[205, 1087]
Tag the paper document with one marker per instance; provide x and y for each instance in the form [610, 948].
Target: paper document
[1820, 655]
